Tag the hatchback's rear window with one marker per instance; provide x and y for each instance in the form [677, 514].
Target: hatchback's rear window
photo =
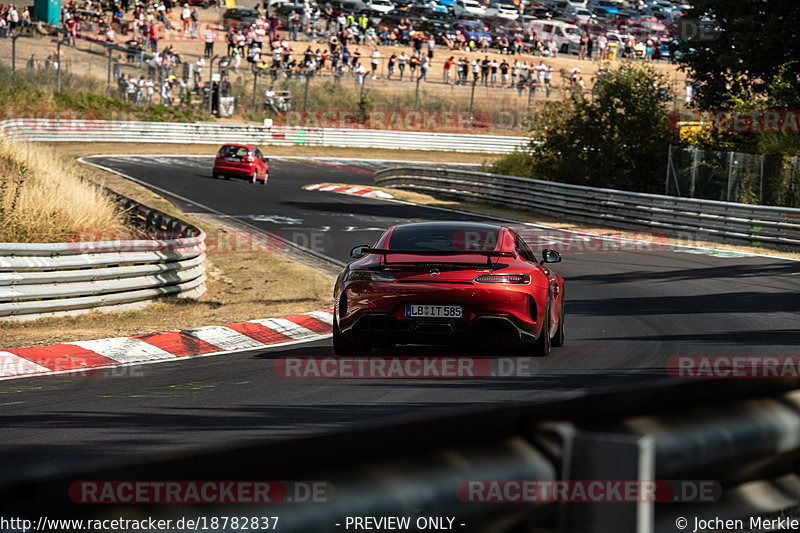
[440, 238]
[233, 151]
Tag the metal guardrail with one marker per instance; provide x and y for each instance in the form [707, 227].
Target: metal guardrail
[740, 437]
[719, 221]
[53, 279]
[52, 130]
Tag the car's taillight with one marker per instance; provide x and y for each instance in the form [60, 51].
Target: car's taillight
[369, 275]
[508, 279]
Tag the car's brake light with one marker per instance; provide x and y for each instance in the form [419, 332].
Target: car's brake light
[369, 275]
[508, 279]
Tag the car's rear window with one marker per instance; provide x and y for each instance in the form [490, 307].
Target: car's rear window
[444, 238]
[234, 151]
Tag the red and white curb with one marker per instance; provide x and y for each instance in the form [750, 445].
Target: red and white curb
[170, 345]
[346, 189]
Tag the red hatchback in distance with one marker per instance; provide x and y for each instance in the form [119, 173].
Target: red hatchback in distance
[241, 161]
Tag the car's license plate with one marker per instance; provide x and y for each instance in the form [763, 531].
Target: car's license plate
[433, 311]
[234, 159]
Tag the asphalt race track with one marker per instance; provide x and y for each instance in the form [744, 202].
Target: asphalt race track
[628, 312]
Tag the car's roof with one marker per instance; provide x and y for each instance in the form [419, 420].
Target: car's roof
[455, 224]
[238, 144]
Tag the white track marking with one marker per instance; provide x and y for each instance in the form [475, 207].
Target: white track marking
[125, 349]
[324, 316]
[14, 365]
[287, 327]
[224, 337]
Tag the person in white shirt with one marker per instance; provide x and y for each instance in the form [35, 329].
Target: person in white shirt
[360, 73]
[186, 18]
[602, 43]
[375, 59]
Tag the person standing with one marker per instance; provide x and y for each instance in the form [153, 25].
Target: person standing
[448, 63]
[186, 19]
[504, 67]
[413, 63]
[195, 18]
[477, 68]
[208, 36]
[602, 43]
[199, 65]
[392, 61]
[402, 59]
[375, 60]
[423, 68]
[294, 24]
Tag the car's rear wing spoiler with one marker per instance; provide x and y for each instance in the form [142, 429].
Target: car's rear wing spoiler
[488, 253]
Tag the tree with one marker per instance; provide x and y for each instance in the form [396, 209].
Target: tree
[619, 139]
[739, 46]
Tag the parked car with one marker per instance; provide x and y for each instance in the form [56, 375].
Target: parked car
[502, 10]
[241, 161]
[460, 283]
[382, 6]
[567, 36]
[473, 30]
[239, 17]
[471, 8]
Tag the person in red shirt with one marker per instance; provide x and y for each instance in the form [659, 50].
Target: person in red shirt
[447, 64]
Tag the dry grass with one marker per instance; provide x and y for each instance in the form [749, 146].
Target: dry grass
[44, 198]
[241, 286]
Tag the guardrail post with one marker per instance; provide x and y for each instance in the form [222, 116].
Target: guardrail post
[604, 457]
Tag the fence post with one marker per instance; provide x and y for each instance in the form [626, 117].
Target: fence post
[669, 163]
[108, 74]
[472, 96]
[60, 61]
[761, 182]
[211, 84]
[730, 174]
[14, 56]
[416, 96]
[695, 157]
[255, 89]
[305, 94]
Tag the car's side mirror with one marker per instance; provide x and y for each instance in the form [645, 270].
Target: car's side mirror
[358, 252]
[550, 256]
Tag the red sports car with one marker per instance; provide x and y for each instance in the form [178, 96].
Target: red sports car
[241, 161]
[448, 283]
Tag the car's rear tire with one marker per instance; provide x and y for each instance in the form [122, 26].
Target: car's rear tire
[559, 338]
[541, 348]
[254, 177]
[344, 347]
[226, 177]
[214, 176]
